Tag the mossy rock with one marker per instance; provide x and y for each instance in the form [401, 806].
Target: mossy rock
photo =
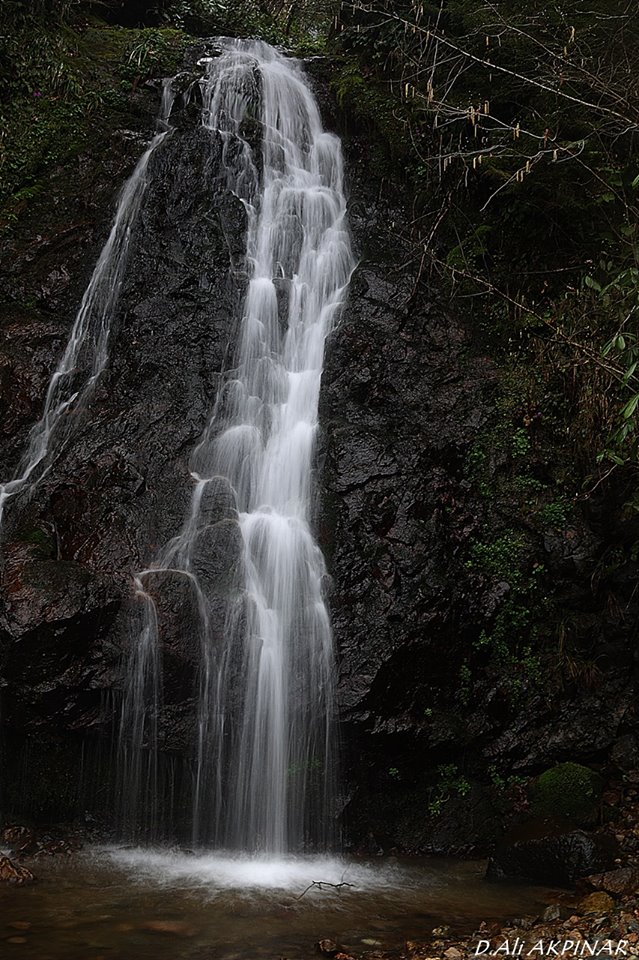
[568, 790]
[41, 541]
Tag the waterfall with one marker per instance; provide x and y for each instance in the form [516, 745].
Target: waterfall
[86, 353]
[264, 769]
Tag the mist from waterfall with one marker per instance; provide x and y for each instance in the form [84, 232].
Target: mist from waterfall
[264, 773]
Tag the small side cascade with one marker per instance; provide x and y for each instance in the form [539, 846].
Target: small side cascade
[87, 351]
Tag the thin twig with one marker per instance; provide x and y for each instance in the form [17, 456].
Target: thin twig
[323, 883]
[494, 66]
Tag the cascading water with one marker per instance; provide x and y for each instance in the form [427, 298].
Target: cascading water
[265, 770]
[86, 352]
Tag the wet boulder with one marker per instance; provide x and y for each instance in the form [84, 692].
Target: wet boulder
[556, 856]
[598, 903]
[619, 883]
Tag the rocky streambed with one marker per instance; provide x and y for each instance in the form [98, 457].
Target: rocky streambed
[63, 893]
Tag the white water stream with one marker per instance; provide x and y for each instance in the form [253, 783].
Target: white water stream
[265, 764]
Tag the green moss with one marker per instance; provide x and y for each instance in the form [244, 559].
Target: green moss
[41, 542]
[568, 790]
[55, 112]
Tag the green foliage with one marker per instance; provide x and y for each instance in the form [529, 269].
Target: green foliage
[202, 18]
[63, 70]
[521, 130]
[514, 642]
[502, 450]
[38, 43]
[570, 790]
[68, 80]
[500, 559]
[37, 137]
[510, 640]
[374, 111]
[555, 513]
[152, 52]
[465, 683]
[520, 442]
[504, 783]
[450, 783]
[195, 16]
[619, 299]
[520, 662]
[470, 252]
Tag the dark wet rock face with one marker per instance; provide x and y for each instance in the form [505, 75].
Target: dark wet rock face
[401, 403]
[398, 412]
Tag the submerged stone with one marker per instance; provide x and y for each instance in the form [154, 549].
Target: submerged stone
[11, 872]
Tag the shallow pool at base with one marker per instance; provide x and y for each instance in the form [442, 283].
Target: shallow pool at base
[121, 903]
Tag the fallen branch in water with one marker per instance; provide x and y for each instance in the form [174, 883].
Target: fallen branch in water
[323, 883]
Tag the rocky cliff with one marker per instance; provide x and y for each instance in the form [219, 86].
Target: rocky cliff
[450, 588]
[448, 593]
